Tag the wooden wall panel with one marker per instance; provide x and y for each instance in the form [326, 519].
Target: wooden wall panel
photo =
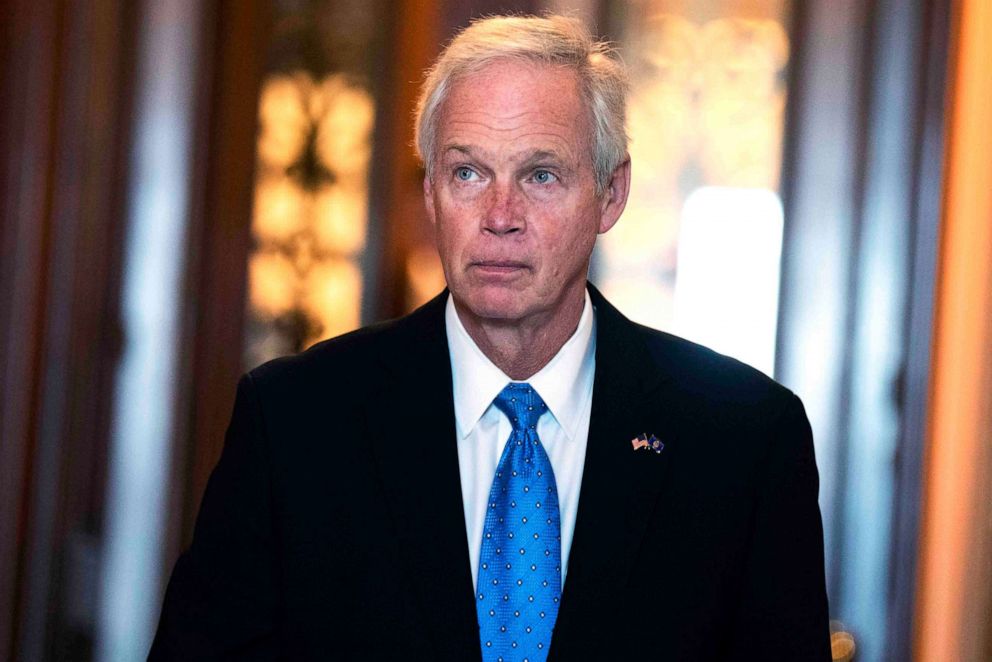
[234, 50]
[64, 117]
[30, 67]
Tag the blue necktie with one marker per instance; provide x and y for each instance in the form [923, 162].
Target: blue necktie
[520, 561]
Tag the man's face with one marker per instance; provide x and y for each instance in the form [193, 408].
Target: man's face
[513, 196]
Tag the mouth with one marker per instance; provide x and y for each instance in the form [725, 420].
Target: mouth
[498, 268]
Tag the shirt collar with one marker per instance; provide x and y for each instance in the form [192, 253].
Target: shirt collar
[564, 383]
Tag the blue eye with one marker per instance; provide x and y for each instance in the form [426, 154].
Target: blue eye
[464, 174]
[544, 177]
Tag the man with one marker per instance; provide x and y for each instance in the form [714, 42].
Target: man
[514, 471]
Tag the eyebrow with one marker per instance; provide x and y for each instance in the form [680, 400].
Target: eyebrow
[543, 155]
[463, 149]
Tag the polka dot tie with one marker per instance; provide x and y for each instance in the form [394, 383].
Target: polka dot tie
[520, 562]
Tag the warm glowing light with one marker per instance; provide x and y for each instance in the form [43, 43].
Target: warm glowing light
[424, 274]
[333, 293]
[635, 240]
[311, 206]
[272, 284]
[726, 291]
[346, 126]
[706, 109]
[283, 119]
[738, 55]
[668, 46]
[280, 209]
[742, 102]
[645, 300]
[340, 219]
[842, 645]
[714, 88]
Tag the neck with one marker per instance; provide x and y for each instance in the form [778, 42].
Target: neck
[521, 349]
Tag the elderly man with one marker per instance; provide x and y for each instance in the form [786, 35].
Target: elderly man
[514, 471]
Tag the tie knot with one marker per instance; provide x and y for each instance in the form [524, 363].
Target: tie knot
[521, 404]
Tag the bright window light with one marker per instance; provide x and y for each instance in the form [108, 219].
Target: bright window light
[726, 288]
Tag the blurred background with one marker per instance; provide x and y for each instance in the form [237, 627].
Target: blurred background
[191, 187]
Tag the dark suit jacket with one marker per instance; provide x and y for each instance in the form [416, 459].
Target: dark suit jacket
[332, 527]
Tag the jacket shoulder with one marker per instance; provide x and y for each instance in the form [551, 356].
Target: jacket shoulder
[356, 360]
[701, 371]
[350, 356]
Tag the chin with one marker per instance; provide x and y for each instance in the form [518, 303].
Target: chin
[501, 304]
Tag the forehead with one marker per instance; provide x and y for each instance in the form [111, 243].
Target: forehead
[515, 105]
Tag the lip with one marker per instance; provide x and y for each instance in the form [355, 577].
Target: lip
[498, 267]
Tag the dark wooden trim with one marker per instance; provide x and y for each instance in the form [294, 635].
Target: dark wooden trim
[397, 220]
[81, 337]
[31, 67]
[64, 150]
[233, 52]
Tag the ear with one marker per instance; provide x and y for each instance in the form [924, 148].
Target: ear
[615, 196]
[429, 198]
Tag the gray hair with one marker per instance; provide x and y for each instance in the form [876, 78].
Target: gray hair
[552, 40]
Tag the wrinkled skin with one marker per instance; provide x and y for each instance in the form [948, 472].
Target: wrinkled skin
[513, 200]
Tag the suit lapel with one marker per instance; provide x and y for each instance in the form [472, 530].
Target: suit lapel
[620, 486]
[412, 427]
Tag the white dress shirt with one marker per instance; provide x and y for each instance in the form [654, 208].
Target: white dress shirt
[565, 385]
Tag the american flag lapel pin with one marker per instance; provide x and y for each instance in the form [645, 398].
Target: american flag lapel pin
[644, 440]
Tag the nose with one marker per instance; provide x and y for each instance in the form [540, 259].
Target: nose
[502, 213]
